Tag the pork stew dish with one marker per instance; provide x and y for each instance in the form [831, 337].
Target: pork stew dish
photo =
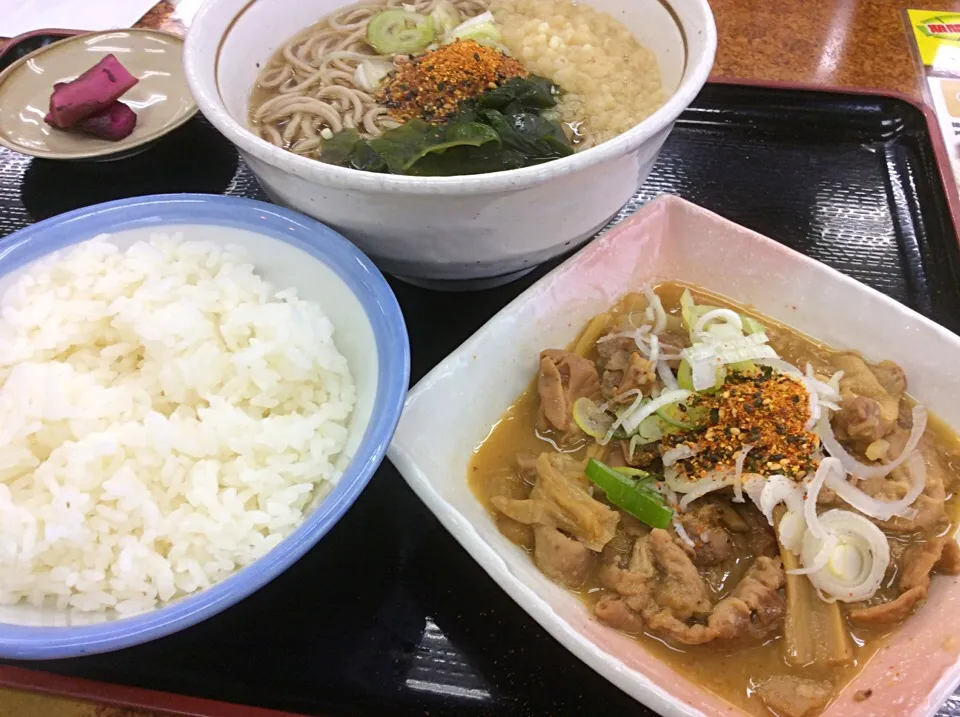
[755, 508]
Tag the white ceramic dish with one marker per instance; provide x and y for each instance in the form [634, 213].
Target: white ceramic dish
[452, 409]
[446, 228]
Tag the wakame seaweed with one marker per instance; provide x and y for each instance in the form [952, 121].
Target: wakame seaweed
[502, 129]
[533, 93]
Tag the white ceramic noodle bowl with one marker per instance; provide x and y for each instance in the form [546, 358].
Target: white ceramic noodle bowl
[438, 229]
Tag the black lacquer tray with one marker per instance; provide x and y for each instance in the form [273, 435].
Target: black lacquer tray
[388, 615]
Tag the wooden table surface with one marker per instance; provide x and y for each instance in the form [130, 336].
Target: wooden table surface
[845, 43]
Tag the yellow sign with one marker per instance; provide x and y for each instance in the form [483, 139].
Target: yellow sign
[937, 34]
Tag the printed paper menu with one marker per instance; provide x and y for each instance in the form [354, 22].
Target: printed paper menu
[936, 37]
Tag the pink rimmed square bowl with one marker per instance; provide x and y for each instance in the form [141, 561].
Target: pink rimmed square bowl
[451, 410]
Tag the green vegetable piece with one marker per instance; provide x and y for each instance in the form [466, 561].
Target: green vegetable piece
[405, 145]
[400, 32]
[464, 160]
[365, 158]
[624, 492]
[534, 136]
[337, 149]
[348, 149]
[532, 93]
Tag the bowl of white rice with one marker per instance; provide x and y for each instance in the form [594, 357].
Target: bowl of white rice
[193, 390]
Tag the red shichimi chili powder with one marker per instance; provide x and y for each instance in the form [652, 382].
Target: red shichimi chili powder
[432, 85]
[767, 412]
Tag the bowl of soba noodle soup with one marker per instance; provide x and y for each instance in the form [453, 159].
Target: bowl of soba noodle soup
[459, 143]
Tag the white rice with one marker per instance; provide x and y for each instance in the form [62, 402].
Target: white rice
[165, 417]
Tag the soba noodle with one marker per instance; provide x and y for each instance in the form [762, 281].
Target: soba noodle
[309, 90]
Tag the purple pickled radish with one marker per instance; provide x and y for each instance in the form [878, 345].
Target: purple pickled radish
[49, 117]
[95, 90]
[113, 123]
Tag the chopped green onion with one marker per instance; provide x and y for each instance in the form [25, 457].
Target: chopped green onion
[370, 73]
[685, 377]
[747, 368]
[481, 29]
[445, 16]
[635, 442]
[483, 34]
[650, 430]
[687, 306]
[632, 420]
[752, 326]
[691, 313]
[632, 496]
[591, 419]
[687, 418]
[631, 472]
[400, 32]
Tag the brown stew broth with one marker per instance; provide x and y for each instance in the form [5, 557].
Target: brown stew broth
[729, 672]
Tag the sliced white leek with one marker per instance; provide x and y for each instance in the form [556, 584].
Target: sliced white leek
[855, 562]
[852, 465]
[731, 318]
[738, 474]
[791, 531]
[638, 412]
[659, 315]
[678, 453]
[445, 16]
[880, 509]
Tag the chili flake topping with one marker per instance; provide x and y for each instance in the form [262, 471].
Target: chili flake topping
[432, 85]
[768, 411]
